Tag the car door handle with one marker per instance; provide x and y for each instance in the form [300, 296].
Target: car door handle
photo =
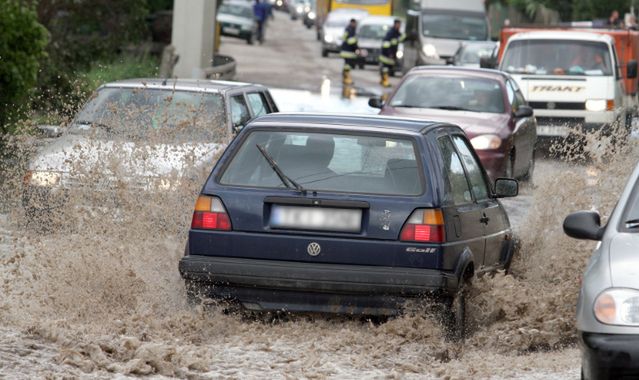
[484, 219]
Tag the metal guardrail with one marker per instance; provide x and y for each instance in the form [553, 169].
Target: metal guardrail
[224, 68]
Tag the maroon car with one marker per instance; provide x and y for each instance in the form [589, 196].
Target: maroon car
[487, 104]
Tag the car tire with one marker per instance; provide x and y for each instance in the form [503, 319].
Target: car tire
[324, 53]
[514, 249]
[361, 66]
[510, 166]
[455, 318]
[528, 177]
[249, 40]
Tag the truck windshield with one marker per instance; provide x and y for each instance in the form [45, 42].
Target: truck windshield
[558, 57]
[455, 25]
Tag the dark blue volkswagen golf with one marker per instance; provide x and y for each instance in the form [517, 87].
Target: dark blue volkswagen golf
[346, 214]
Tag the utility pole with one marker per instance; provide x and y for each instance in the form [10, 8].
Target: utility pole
[193, 35]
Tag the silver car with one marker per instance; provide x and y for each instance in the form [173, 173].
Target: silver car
[142, 135]
[608, 305]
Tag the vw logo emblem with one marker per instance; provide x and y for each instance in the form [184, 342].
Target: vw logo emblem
[314, 249]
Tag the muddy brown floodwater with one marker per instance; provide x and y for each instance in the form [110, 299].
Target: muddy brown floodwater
[99, 295]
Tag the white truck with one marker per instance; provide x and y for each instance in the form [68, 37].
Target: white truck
[436, 28]
[573, 78]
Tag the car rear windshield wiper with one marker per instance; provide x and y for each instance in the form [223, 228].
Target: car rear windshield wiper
[452, 108]
[286, 180]
[632, 223]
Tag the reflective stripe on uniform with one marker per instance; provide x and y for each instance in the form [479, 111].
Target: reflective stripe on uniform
[347, 54]
[351, 41]
[386, 60]
[386, 44]
[394, 41]
[402, 37]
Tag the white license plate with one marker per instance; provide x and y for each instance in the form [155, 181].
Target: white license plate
[552, 130]
[231, 30]
[316, 218]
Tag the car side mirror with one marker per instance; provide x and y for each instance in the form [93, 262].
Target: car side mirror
[237, 128]
[375, 102]
[487, 63]
[631, 69]
[524, 111]
[506, 187]
[584, 225]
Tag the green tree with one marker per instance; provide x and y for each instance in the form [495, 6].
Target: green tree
[84, 32]
[22, 49]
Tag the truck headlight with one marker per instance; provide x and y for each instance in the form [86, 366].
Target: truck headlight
[483, 142]
[618, 306]
[598, 105]
[43, 178]
[311, 15]
[328, 38]
[430, 51]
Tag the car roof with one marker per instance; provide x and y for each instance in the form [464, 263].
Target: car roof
[461, 71]
[203, 85]
[243, 3]
[371, 123]
[562, 35]
[378, 20]
[344, 13]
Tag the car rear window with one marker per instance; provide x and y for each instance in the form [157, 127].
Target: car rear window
[328, 162]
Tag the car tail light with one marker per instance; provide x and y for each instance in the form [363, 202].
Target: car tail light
[210, 214]
[424, 225]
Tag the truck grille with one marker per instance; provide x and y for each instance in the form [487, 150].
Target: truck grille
[568, 121]
[558, 105]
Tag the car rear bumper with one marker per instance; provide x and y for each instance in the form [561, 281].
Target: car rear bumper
[609, 356]
[314, 287]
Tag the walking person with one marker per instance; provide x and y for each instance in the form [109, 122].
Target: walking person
[349, 51]
[388, 57]
[260, 13]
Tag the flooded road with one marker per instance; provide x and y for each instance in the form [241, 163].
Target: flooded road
[107, 299]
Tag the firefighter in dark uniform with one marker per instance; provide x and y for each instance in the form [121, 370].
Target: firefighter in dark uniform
[349, 51]
[388, 57]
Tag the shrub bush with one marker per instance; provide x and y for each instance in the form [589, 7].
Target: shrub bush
[22, 49]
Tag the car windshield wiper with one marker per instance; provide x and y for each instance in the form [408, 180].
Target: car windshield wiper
[107, 128]
[453, 108]
[286, 180]
[632, 223]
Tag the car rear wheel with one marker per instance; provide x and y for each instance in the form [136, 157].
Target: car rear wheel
[249, 39]
[324, 53]
[456, 314]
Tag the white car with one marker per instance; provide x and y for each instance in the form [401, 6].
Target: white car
[334, 26]
[139, 135]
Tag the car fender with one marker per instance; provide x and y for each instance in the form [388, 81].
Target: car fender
[465, 261]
